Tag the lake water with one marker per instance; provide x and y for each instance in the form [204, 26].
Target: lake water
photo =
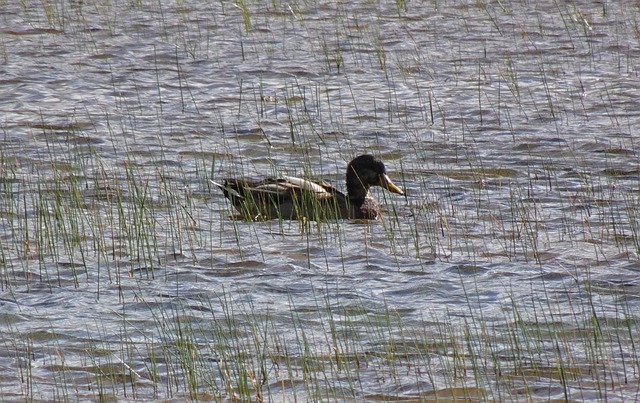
[509, 271]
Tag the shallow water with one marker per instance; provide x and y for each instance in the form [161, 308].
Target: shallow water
[510, 270]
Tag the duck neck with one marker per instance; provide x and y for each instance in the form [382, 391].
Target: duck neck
[356, 190]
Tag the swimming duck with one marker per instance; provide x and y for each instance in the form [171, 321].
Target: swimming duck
[294, 198]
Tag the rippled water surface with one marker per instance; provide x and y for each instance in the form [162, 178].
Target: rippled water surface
[508, 272]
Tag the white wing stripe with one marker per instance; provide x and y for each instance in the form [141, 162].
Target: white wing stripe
[305, 184]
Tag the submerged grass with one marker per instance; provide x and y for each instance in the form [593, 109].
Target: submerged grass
[224, 349]
[398, 360]
[172, 299]
[74, 224]
[225, 346]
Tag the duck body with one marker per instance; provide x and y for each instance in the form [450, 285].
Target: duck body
[292, 198]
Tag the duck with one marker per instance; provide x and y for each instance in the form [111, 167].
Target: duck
[291, 198]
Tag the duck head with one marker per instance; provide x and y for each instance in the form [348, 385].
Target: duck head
[366, 171]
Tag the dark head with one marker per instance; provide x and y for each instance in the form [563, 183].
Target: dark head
[366, 171]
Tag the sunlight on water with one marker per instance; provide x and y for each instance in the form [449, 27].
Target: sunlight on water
[508, 272]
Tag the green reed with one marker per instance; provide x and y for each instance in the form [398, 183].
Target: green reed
[82, 220]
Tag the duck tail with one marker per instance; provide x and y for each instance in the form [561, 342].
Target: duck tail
[230, 192]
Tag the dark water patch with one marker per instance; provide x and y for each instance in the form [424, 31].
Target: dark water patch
[102, 56]
[617, 151]
[466, 269]
[33, 31]
[11, 81]
[621, 172]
